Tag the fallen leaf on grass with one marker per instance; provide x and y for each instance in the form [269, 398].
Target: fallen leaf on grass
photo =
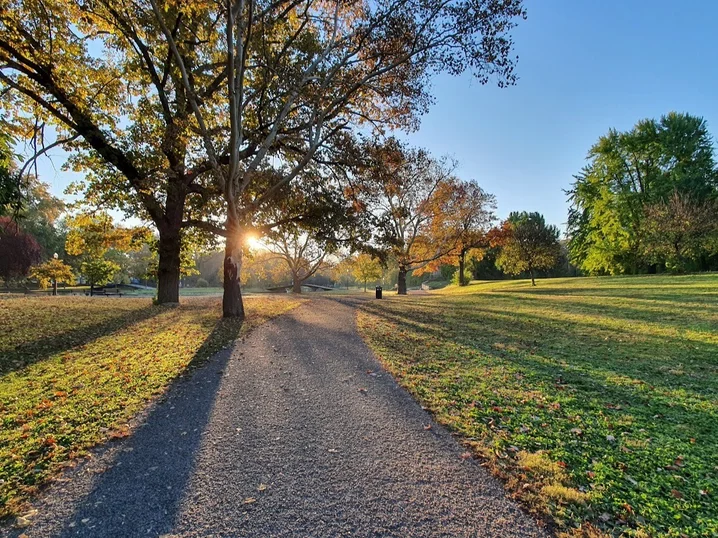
[427, 427]
[677, 494]
[119, 433]
[466, 456]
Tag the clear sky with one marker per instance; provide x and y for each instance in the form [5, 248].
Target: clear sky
[584, 67]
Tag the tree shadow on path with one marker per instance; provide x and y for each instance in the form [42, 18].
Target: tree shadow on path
[135, 487]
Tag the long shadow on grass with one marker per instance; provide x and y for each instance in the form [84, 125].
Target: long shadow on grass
[588, 393]
[151, 469]
[595, 368]
[592, 395]
[683, 316]
[672, 294]
[42, 348]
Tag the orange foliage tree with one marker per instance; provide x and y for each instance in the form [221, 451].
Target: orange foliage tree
[410, 194]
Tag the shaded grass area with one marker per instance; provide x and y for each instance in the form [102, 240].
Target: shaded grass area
[596, 399]
[73, 371]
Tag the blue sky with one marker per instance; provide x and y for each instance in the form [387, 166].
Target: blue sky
[584, 67]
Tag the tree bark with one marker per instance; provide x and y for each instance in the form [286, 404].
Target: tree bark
[296, 284]
[401, 282]
[232, 304]
[168, 269]
[531, 272]
[462, 264]
[92, 289]
[54, 286]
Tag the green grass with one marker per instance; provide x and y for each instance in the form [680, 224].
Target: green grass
[74, 370]
[596, 399]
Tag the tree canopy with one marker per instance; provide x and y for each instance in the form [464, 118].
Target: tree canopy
[366, 268]
[527, 244]
[410, 194]
[92, 236]
[18, 250]
[680, 232]
[51, 272]
[628, 171]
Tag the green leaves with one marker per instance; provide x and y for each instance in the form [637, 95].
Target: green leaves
[528, 244]
[628, 171]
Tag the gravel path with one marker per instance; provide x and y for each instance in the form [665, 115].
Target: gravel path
[296, 431]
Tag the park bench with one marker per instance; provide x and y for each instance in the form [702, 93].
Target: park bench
[113, 291]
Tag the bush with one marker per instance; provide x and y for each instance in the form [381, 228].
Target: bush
[455, 277]
[202, 283]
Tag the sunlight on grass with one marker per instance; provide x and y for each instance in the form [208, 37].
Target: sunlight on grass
[73, 371]
[613, 380]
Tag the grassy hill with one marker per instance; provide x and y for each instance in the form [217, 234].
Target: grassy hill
[596, 399]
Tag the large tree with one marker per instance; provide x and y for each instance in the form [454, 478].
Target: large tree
[366, 267]
[298, 74]
[469, 213]
[528, 244]
[51, 272]
[97, 78]
[302, 253]
[410, 193]
[628, 171]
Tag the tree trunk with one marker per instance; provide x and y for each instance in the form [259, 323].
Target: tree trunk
[462, 264]
[168, 269]
[401, 282]
[92, 289]
[296, 284]
[232, 305]
[54, 286]
[365, 286]
[531, 272]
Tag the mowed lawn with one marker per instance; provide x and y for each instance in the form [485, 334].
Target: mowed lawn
[596, 399]
[74, 370]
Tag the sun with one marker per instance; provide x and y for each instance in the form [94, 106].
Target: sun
[253, 242]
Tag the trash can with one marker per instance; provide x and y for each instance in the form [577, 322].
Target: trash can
[378, 292]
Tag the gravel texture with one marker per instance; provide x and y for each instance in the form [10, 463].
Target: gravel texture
[295, 431]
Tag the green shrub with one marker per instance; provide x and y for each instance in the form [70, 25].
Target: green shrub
[455, 277]
[202, 283]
